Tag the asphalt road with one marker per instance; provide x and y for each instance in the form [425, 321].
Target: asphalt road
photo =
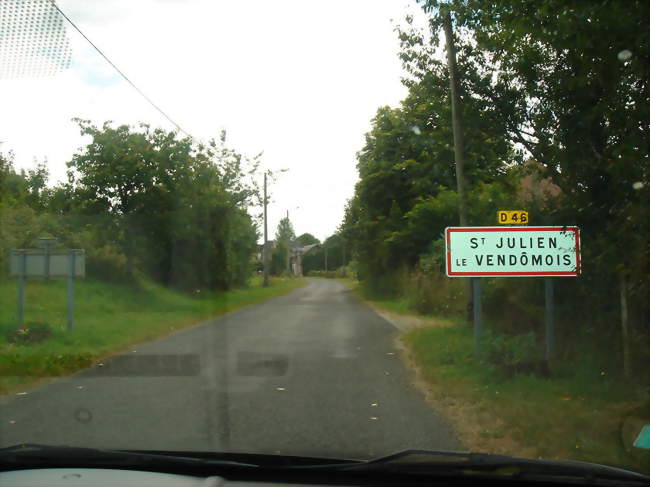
[310, 373]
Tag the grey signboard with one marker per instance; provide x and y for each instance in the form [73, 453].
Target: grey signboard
[53, 264]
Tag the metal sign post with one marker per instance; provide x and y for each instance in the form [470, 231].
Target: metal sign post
[549, 318]
[21, 289]
[478, 326]
[72, 257]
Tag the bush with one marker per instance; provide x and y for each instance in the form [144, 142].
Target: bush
[32, 332]
[321, 273]
[513, 353]
[340, 273]
[432, 293]
[107, 263]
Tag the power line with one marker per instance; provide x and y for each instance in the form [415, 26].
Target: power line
[119, 71]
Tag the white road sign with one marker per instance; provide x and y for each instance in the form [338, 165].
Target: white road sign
[512, 251]
[55, 264]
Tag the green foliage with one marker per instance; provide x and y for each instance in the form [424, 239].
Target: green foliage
[306, 239]
[512, 353]
[34, 365]
[285, 232]
[279, 259]
[332, 254]
[178, 210]
[405, 198]
[340, 273]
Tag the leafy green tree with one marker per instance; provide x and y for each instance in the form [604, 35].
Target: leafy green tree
[284, 238]
[179, 209]
[408, 158]
[279, 259]
[306, 239]
[13, 186]
[285, 232]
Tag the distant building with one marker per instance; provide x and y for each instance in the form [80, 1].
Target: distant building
[260, 249]
[296, 253]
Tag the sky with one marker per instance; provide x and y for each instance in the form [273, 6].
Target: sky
[298, 80]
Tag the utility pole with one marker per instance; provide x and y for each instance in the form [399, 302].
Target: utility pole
[325, 258]
[265, 250]
[288, 250]
[459, 156]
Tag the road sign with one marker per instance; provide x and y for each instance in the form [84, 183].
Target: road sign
[512, 251]
[50, 264]
[512, 217]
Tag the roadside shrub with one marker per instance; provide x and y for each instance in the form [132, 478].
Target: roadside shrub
[514, 354]
[107, 263]
[32, 332]
[432, 293]
[339, 273]
[320, 273]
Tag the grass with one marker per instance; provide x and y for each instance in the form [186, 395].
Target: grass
[108, 319]
[580, 413]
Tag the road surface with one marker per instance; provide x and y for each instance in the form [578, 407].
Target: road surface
[313, 372]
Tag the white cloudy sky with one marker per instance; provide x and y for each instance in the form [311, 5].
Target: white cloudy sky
[297, 79]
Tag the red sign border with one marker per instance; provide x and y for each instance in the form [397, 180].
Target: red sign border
[572, 228]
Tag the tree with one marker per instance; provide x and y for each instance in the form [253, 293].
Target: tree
[307, 239]
[285, 232]
[279, 259]
[408, 159]
[284, 237]
[179, 208]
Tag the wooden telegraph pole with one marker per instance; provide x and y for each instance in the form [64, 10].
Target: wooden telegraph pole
[265, 249]
[472, 285]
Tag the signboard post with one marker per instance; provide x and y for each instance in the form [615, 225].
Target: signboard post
[478, 328]
[549, 317]
[21, 288]
[514, 252]
[46, 262]
[72, 257]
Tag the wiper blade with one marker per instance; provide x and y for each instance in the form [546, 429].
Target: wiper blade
[31, 454]
[431, 462]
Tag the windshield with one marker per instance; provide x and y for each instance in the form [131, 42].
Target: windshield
[335, 229]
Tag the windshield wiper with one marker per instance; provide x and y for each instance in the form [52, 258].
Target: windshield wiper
[431, 462]
[39, 456]
[421, 463]
[33, 454]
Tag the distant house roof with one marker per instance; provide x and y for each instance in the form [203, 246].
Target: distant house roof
[303, 249]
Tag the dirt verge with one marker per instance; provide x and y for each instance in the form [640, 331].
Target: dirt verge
[475, 429]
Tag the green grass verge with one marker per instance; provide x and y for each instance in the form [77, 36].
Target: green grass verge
[579, 413]
[108, 319]
[393, 305]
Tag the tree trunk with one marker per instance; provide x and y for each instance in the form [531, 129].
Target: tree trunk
[625, 338]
